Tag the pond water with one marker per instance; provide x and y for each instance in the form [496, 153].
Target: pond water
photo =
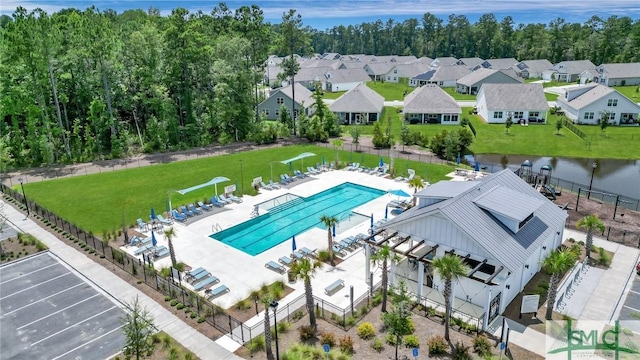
[611, 175]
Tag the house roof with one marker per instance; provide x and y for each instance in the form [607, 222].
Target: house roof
[379, 68]
[483, 74]
[444, 61]
[593, 93]
[618, 71]
[432, 99]
[360, 99]
[445, 73]
[514, 96]
[535, 66]
[470, 62]
[573, 67]
[446, 189]
[411, 69]
[303, 95]
[347, 76]
[496, 190]
[503, 63]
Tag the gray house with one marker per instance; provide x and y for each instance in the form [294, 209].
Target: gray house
[569, 71]
[360, 105]
[471, 62]
[444, 76]
[429, 104]
[618, 74]
[498, 64]
[534, 69]
[270, 107]
[471, 83]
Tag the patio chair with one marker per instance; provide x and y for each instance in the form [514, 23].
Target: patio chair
[265, 186]
[163, 221]
[234, 198]
[223, 199]
[313, 170]
[199, 276]
[208, 282]
[286, 260]
[274, 185]
[299, 174]
[143, 249]
[286, 176]
[307, 252]
[160, 252]
[195, 210]
[176, 215]
[215, 202]
[186, 211]
[205, 207]
[275, 267]
[354, 166]
[284, 180]
[194, 272]
[220, 290]
[142, 226]
[383, 172]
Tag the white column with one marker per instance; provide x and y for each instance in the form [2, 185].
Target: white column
[392, 274]
[420, 278]
[367, 265]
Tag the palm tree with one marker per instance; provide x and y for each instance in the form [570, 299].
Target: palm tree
[169, 233]
[416, 184]
[449, 268]
[382, 258]
[329, 222]
[590, 223]
[267, 327]
[304, 270]
[556, 264]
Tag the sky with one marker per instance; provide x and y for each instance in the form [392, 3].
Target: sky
[323, 14]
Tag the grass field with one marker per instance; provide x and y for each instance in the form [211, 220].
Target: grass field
[456, 95]
[390, 91]
[550, 96]
[632, 92]
[101, 202]
[332, 95]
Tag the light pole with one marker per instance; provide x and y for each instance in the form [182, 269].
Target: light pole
[241, 179]
[24, 197]
[274, 307]
[593, 170]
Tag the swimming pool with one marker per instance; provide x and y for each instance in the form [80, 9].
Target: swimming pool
[294, 217]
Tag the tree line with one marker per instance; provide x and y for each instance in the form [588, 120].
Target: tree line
[80, 85]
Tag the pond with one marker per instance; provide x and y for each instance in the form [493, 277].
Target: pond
[610, 175]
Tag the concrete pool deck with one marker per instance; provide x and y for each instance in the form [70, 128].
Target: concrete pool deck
[243, 273]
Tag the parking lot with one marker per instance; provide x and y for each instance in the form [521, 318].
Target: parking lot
[630, 312]
[48, 311]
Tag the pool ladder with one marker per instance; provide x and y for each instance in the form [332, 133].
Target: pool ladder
[216, 227]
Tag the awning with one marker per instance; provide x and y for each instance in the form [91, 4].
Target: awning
[301, 156]
[214, 181]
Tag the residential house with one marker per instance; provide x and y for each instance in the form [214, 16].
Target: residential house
[499, 226]
[471, 62]
[360, 105]
[345, 79]
[444, 76]
[524, 103]
[406, 71]
[618, 74]
[378, 71]
[270, 106]
[534, 69]
[443, 61]
[586, 104]
[569, 71]
[429, 104]
[497, 64]
[471, 83]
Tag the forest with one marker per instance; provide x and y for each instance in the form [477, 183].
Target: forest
[80, 85]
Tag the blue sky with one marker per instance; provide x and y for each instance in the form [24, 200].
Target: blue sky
[322, 14]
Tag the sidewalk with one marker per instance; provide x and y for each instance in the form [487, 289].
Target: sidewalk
[117, 288]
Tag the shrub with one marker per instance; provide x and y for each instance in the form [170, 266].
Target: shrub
[481, 345]
[174, 302]
[411, 341]
[366, 331]
[306, 332]
[412, 326]
[193, 315]
[351, 321]
[603, 257]
[430, 311]
[436, 345]
[297, 315]
[256, 344]
[328, 338]
[323, 255]
[461, 351]
[346, 344]
[187, 309]
[377, 345]
[200, 320]
[284, 326]
[571, 240]
[167, 298]
[391, 339]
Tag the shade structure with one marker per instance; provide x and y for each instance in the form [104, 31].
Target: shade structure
[215, 181]
[477, 168]
[293, 243]
[154, 242]
[399, 192]
[299, 157]
[381, 162]
[458, 159]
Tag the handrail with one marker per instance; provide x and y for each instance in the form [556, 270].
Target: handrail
[216, 227]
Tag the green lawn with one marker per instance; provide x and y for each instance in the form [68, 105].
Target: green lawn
[332, 95]
[632, 92]
[99, 202]
[456, 95]
[551, 97]
[390, 91]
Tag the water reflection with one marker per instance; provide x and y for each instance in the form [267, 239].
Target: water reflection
[611, 175]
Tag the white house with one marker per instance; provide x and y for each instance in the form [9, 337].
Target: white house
[399, 71]
[360, 105]
[499, 226]
[524, 103]
[569, 71]
[534, 69]
[429, 104]
[586, 104]
[618, 74]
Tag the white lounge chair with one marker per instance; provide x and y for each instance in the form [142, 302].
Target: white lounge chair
[234, 198]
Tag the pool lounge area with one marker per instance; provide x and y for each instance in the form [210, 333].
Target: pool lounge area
[243, 273]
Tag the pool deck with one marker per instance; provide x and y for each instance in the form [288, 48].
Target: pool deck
[243, 273]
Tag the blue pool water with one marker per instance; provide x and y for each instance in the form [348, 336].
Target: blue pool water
[294, 217]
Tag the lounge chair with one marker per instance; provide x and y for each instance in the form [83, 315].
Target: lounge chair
[161, 251]
[142, 226]
[374, 170]
[299, 174]
[163, 221]
[286, 176]
[204, 206]
[338, 249]
[215, 202]
[284, 180]
[194, 272]
[312, 170]
[208, 282]
[274, 185]
[200, 275]
[138, 241]
[234, 198]
[195, 210]
[383, 172]
[332, 166]
[186, 211]
[223, 198]
[176, 215]
[286, 260]
[143, 249]
[265, 186]
[222, 289]
[275, 267]
[306, 251]
[354, 166]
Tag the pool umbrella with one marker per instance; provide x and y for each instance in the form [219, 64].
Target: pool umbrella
[293, 243]
[371, 221]
[399, 193]
[458, 159]
[154, 242]
[386, 212]
[381, 163]
[153, 215]
[323, 161]
[290, 166]
[477, 168]
[334, 230]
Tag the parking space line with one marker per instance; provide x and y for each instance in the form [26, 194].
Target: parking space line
[27, 274]
[634, 309]
[88, 342]
[44, 298]
[53, 313]
[76, 324]
[635, 292]
[36, 285]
